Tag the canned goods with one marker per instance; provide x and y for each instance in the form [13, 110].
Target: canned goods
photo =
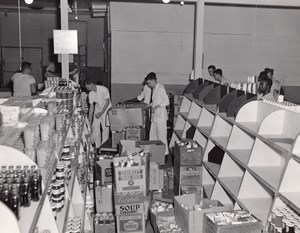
[290, 227]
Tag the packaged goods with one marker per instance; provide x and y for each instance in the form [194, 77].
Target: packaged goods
[133, 223]
[156, 181]
[103, 170]
[129, 203]
[105, 223]
[134, 133]
[190, 209]
[104, 198]
[158, 209]
[188, 152]
[116, 137]
[156, 148]
[232, 222]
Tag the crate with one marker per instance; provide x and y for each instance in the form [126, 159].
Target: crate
[129, 203]
[156, 217]
[190, 220]
[134, 133]
[104, 171]
[156, 148]
[105, 228]
[188, 156]
[246, 224]
[156, 178]
[188, 175]
[133, 223]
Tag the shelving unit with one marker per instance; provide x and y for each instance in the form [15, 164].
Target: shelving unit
[251, 149]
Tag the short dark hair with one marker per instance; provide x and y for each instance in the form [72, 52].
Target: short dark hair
[211, 67]
[269, 70]
[262, 76]
[268, 81]
[151, 76]
[218, 71]
[26, 65]
[88, 81]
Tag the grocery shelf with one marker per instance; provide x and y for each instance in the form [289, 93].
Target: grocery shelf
[185, 106]
[208, 182]
[221, 131]
[221, 141]
[214, 168]
[213, 157]
[241, 155]
[200, 138]
[220, 194]
[232, 183]
[240, 140]
[205, 130]
[194, 112]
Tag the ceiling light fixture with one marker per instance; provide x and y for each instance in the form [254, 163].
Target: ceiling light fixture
[28, 2]
[166, 1]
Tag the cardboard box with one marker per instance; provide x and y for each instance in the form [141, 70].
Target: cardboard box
[136, 134]
[191, 220]
[128, 147]
[188, 175]
[245, 224]
[117, 119]
[133, 223]
[104, 199]
[116, 137]
[156, 180]
[188, 156]
[164, 218]
[157, 149]
[9, 115]
[135, 117]
[104, 171]
[105, 228]
[129, 203]
[129, 179]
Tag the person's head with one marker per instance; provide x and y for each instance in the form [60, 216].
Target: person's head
[151, 80]
[218, 75]
[262, 75]
[264, 86]
[51, 67]
[90, 85]
[211, 70]
[270, 72]
[26, 67]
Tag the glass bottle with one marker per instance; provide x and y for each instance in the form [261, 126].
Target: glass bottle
[25, 193]
[15, 202]
[35, 188]
[6, 195]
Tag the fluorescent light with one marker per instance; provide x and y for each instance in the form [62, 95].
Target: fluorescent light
[166, 1]
[28, 2]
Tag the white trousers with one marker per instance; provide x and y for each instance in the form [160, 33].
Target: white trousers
[97, 130]
[158, 131]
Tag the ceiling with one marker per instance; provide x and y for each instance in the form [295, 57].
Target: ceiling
[47, 4]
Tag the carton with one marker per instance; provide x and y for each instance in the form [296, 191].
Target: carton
[128, 147]
[117, 119]
[164, 218]
[135, 117]
[133, 223]
[129, 203]
[105, 228]
[116, 137]
[188, 156]
[156, 148]
[104, 171]
[191, 220]
[104, 198]
[243, 224]
[188, 175]
[136, 134]
[156, 180]
[129, 179]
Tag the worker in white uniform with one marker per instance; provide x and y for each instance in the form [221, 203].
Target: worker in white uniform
[160, 100]
[99, 100]
[145, 94]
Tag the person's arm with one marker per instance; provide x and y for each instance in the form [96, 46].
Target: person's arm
[99, 114]
[142, 95]
[33, 87]
[164, 99]
[91, 111]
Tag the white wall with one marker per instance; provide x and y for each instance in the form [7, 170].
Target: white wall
[245, 40]
[151, 37]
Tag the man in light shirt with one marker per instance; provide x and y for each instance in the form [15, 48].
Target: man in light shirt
[24, 83]
[145, 94]
[160, 100]
[99, 100]
[219, 78]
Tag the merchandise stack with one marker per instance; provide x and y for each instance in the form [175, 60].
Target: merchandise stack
[127, 121]
[130, 192]
[188, 155]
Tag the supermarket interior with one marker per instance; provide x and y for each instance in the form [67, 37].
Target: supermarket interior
[149, 116]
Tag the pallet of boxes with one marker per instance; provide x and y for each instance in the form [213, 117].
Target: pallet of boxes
[104, 220]
[131, 173]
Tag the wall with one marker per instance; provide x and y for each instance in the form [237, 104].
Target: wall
[37, 31]
[150, 37]
[245, 40]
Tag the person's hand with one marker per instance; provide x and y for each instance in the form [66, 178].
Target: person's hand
[98, 115]
[154, 109]
[148, 105]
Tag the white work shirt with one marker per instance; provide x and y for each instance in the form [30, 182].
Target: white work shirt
[145, 95]
[160, 97]
[22, 84]
[99, 97]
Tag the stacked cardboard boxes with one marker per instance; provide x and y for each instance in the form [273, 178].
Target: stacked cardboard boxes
[187, 167]
[103, 189]
[131, 187]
